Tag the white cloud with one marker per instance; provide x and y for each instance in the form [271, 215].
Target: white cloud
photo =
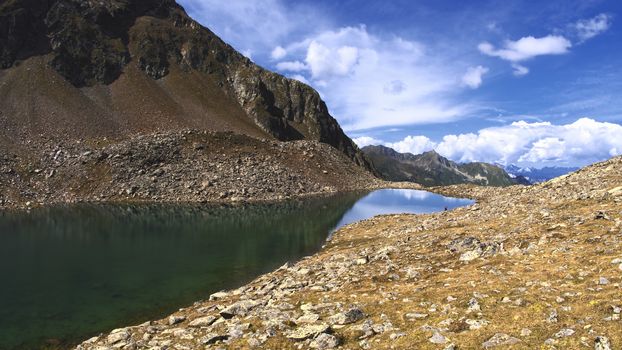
[589, 28]
[278, 53]
[254, 25]
[413, 144]
[370, 81]
[532, 144]
[473, 76]
[300, 78]
[527, 47]
[366, 141]
[519, 70]
[291, 66]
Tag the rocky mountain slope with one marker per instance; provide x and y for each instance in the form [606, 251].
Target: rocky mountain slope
[432, 169]
[94, 69]
[524, 268]
[188, 165]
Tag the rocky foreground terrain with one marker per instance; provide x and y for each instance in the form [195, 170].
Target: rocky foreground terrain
[524, 268]
[192, 166]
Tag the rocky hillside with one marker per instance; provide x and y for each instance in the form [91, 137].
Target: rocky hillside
[537, 267]
[432, 169]
[194, 166]
[94, 69]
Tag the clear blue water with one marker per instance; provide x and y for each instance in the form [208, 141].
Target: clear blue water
[69, 272]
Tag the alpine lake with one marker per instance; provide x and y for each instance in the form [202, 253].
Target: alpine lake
[68, 272]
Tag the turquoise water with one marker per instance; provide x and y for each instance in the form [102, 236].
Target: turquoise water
[70, 272]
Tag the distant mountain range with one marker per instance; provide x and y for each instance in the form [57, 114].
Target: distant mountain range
[432, 169]
[535, 175]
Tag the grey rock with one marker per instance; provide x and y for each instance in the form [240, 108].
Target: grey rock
[438, 338]
[307, 331]
[350, 316]
[325, 341]
[500, 339]
[602, 343]
[202, 321]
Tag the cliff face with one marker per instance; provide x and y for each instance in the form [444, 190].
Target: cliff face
[141, 66]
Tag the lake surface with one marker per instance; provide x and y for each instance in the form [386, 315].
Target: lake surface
[70, 272]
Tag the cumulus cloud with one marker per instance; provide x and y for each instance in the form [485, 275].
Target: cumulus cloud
[532, 144]
[278, 53]
[527, 47]
[589, 28]
[366, 141]
[370, 81]
[413, 144]
[473, 76]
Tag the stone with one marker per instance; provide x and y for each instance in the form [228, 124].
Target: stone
[202, 321]
[307, 331]
[350, 316]
[500, 339]
[118, 335]
[566, 332]
[240, 308]
[325, 341]
[603, 281]
[172, 320]
[415, 316]
[438, 338]
[212, 338]
[470, 255]
[602, 343]
[473, 306]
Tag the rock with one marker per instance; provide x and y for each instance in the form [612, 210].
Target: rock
[473, 306]
[325, 341]
[307, 331]
[470, 255]
[602, 343]
[415, 316]
[172, 320]
[212, 338]
[240, 308]
[438, 338]
[202, 321]
[350, 316]
[476, 324]
[118, 335]
[603, 281]
[566, 332]
[500, 339]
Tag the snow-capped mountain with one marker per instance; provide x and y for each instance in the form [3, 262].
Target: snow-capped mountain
[535, 175]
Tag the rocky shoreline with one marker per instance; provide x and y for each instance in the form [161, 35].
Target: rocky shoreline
[525, 267]
[184, 166]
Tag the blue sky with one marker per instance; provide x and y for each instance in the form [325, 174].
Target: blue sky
[529, 82]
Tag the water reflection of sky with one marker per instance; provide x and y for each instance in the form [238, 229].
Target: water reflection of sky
[399, 201]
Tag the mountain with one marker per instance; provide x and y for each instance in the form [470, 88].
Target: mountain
[535, 175]
[432, 169]
[93, 69]
[132, 100]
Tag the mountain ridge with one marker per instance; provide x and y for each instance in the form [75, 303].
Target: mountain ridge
[432, 169]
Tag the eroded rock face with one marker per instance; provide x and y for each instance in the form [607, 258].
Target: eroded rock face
[92, 42]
